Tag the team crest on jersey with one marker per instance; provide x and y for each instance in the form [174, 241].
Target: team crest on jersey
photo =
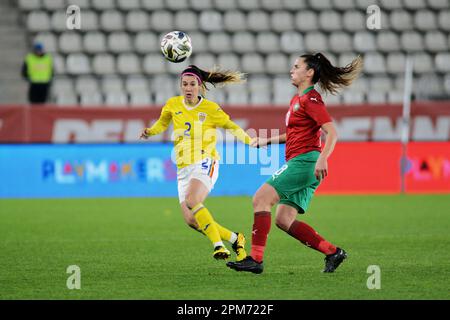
[201, 117]
[296, 106]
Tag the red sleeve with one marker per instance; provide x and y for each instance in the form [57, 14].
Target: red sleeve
[316, 109]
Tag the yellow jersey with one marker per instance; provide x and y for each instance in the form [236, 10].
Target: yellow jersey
[195, 129]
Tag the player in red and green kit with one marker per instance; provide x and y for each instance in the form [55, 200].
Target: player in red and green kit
[293, 185]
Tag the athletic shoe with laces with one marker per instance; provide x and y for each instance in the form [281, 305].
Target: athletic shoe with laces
[248, 264]
[332, 261]
[239, 247]
[221, 253]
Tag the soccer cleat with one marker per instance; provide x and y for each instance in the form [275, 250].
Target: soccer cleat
[332, 261]
[239, 247]
[221, 252]
[248, 264]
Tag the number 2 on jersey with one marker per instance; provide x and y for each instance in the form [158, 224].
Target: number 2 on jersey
[187, 131]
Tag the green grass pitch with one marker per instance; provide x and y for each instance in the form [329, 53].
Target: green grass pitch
[137, 248]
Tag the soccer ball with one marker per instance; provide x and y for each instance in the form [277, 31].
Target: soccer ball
[176, 46]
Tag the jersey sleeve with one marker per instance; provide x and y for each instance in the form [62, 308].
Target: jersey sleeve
[237, 131]
[316, 109]
[163, 122]
[220, 117]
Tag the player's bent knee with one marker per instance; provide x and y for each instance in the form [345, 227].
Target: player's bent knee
[282, 224]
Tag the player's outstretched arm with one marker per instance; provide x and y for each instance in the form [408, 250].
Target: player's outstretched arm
[238, 132]
[261, 142]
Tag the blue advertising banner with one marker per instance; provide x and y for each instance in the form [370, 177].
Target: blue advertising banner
[122, 170]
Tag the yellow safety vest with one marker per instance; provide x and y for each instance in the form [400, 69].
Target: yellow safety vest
[39, 68]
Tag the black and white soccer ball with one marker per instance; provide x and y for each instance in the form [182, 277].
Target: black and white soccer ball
[176, 46]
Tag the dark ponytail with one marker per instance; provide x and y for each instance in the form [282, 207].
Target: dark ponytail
[329, 77]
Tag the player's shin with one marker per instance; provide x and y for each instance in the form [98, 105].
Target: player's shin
[206, 224]
[261, 228]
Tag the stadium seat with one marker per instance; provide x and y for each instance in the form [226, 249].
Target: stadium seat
[414, 4]
[380, 83]
[353, 21]
[161, 96]
[186, 21]
[267, 42]
[177, 5]
[387, 41]
[116, 99]
[252, 63]
[219, 42]
[270, 5]
[376, 97]
[447, 83]
[151, 5]
[429, 86]
[343, 5]
[204, 60]
[229, 61]
[411, 41]
[177, 68]
[200, 5]
[29, 5]
[91, 99]
[425, 20]
[291, 42]
[330, 21]
[423, 63]
[361, 84]
[140, 99]
[331, 100]
[128, 4]
[145, 42]
[234, 21]
[293, 5]
[364, 41]
[320, 5]
[401, 20]
[59, 64]
[444, 20]
[162, 21]
[38, 21]
[62, 84]
[111, 20]
[395, 62]
[83, 4]
[439, 4]
[391, 4]
[340, 42]
[316, 42]
[243, 42]
[53, 5]
[217, 95]
[248, 5]
[225, 5]
[94, 42]
[277, 63]
[119, 42]
[103, 64]
[281, 21]
[89, 21]
[58, 21]
[236, 95]
[363, 4]
[374, 63]
[306, 21]
[103, 4]
[442, 62]
[70, 42]
[137, 21]
[77, 63]
[163, 82]
[435, 41]
[259, 83]
[128, 63]
[111, 84]
[48, 39]
[63, 98]
[258, 21]
[210, 21]
[153, 64]
[352, 97]
[395, 97]
[86, 84]
[136, 84]
[260, 98]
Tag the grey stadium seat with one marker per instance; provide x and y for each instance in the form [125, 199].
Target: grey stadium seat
[229, 61]
[111, 84]
[380, 83]
[374, 63]
[128, 63]
[162, 21]
[201, 4]
[243, 42]
[145, 42]
[444, 20]
[204, 60]
[140, 99]
[291, 41]
[153, 64]
[136, 84]
[442, 61]
[83, 4]
[395, 97]
[128, 4]
[89, 22]
[415, 4]
[435, 41]
[260, 98]
[249, 5]
[38, 21]
[59, 64]
[94, 42]
[364, 41]
[344, 4]
[225, 5]
[423, 63]
[267, 42]
[137, 21]
[277, 63]
[48, 39]
[353, 20]
[388, 41]
[395, 62]
[252, 63]
[320, 4]
[306, 21]
[29, 5]
[103, 4]
[199, 41]
[91, 99]
[62, 84]
[70, 42]
[66, 98]
[331, 100]
[111, 20]
[152, 5]
[316, 41]
[104, 64]
[52, 5]
[234, 21]
[210, 21]
[186, 21]
[411, 41]
[391, 4]
[340, 42]
[176, 68]
[439, 4]
[376, 97]
[258, 21]
[119, 42]
[219, 42]
[401, 20]
[77, 63]
[58, 21]
[116, 99]
[294, 4]
[330, 20]
[259, 83]
[86, 84]
[281, 21]
[270, 5]
[177, 4]
[425, 20]
[237, 95]
[352, 97]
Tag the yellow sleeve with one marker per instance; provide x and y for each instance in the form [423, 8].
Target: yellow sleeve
[162, 124]
[237, 131]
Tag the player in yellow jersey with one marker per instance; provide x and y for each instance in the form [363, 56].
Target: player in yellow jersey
[195, 121]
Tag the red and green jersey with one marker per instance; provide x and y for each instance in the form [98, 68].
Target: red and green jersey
[307, 113]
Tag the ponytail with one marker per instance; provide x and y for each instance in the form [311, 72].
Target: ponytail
[216, 76]
[329, 77]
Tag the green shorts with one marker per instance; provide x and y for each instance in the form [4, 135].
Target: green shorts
[295, 181]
